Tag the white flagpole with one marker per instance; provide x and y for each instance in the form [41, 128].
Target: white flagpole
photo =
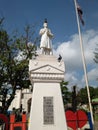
[84, 64]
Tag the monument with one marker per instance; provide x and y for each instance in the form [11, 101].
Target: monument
[46, 73]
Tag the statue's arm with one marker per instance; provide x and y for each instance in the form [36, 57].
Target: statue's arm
[42, 31]
[49, 33]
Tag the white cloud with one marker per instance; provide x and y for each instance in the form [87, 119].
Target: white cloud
[20, 56]
[71, 53]
[93, 74]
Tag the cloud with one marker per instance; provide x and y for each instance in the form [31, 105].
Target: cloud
[20, 56]
[71, 53]
[92, 76]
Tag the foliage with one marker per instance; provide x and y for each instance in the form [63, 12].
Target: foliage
[66, 94]
[95, 92]
[15, 53]
[82, 95]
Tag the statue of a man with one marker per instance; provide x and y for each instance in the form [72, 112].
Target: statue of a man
[46, 36]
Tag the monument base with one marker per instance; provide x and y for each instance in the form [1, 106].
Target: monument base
[47, 110]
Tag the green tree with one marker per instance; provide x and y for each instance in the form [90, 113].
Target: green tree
[96, 92]
[83, 96]
[15, 53]
[66, 94]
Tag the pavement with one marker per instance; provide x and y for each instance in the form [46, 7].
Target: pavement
[96, 125]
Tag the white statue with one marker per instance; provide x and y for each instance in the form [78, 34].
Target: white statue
[46, 36]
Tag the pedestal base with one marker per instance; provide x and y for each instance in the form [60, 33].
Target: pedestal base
[47, 111]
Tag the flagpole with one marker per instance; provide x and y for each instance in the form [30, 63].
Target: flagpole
[84, 63]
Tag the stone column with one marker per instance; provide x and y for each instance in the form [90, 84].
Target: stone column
[47, 111]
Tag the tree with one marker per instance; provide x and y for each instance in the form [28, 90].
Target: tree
[83, 96]
[66, 94]
[95, 92]
[15, 53]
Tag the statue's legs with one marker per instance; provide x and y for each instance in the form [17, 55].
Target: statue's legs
[46, 51]
[51, 53]
[42, 51]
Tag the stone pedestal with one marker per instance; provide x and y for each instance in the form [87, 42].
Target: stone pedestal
[47, 111]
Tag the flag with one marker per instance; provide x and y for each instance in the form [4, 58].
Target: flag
[80, 13]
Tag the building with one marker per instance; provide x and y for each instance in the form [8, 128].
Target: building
[22, 100]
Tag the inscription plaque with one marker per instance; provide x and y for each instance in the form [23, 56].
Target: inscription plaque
[48, 110]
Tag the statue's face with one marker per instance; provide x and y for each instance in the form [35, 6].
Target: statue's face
[45, 25]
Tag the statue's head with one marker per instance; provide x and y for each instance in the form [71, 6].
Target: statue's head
[45, 23]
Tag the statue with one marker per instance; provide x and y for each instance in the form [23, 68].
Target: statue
[46, 36]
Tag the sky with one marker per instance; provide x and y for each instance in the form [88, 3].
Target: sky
[62, 22]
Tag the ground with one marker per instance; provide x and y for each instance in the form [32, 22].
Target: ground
[96, 125]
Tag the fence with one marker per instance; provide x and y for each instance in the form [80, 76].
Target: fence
[12, 124]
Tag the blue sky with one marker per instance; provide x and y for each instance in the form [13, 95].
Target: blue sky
[62, 22]
[60, 15]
